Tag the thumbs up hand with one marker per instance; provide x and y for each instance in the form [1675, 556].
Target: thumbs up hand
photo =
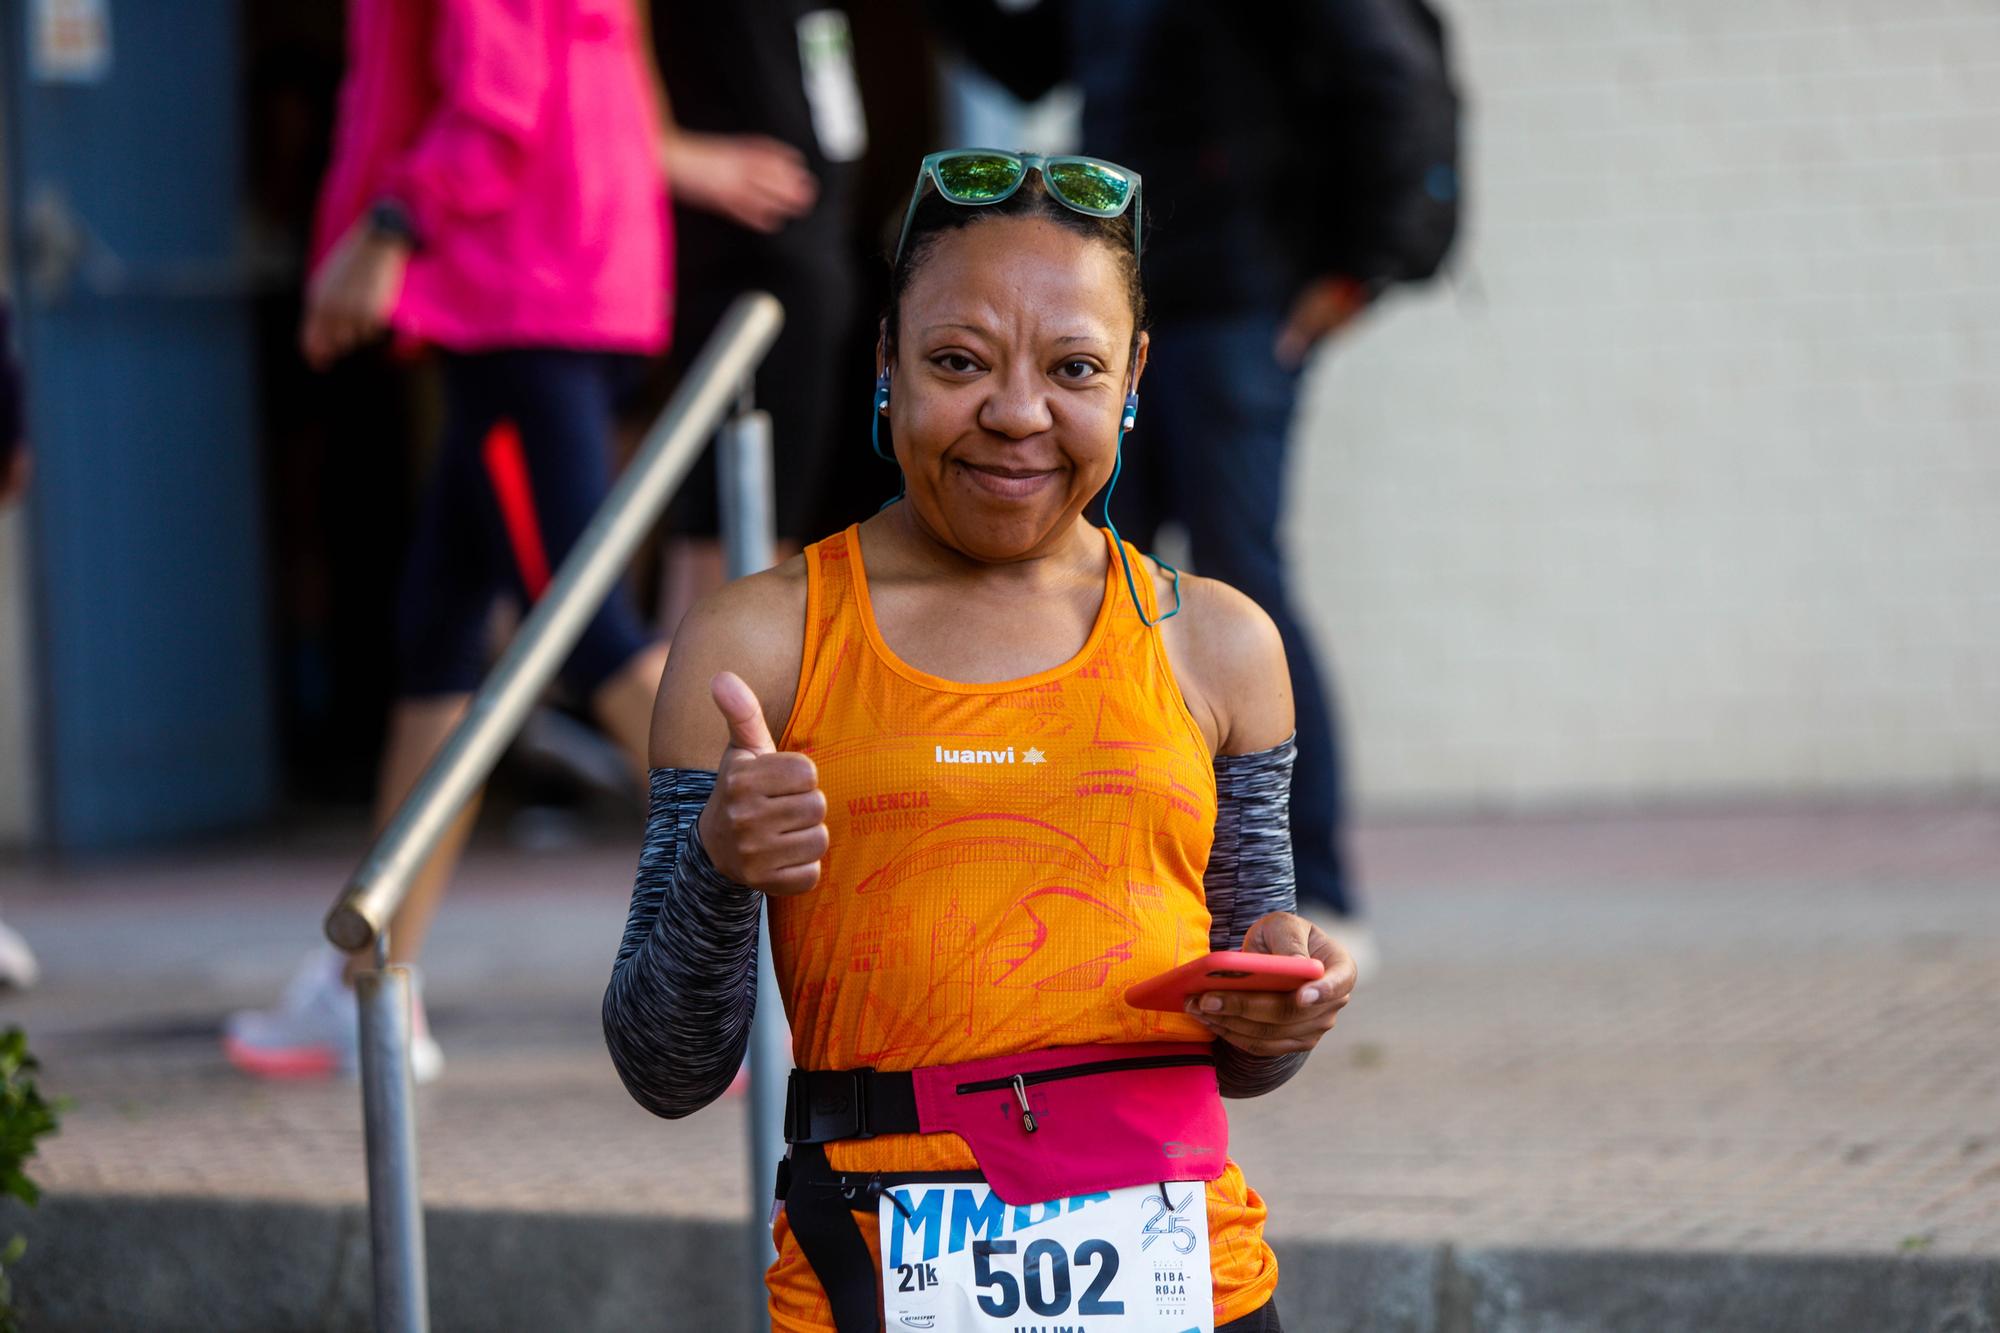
[765, 824]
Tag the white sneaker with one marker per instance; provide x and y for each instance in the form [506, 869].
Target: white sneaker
[315, 1031]
[18, 967]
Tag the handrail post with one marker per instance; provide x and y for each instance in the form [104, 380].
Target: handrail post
[389, 1123]
[360, 917]
[743, 475]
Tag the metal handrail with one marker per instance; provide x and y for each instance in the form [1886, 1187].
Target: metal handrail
[718, 380]
[710, 389]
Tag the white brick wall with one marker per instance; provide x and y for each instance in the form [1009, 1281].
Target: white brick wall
[1689, 488]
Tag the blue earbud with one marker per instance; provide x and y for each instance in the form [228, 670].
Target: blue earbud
[1131, 411]
[875, 421]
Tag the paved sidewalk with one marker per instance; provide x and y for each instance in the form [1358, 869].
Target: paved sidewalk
[1738, 1034]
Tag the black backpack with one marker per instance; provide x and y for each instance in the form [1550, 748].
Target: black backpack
[1351, 103]
[1376, 76]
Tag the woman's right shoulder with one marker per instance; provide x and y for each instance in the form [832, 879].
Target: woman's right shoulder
[755, 627]
[754, 613]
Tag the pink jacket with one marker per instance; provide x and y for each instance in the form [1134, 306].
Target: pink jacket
[521, 136]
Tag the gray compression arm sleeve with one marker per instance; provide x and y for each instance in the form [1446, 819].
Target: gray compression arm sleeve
[684, 987]
[1249, 876]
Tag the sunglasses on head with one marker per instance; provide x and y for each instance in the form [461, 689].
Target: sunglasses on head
[975, 176]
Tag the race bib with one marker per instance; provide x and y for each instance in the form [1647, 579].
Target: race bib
[956, 1258]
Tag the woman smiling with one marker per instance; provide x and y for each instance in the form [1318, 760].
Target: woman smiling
[1017, 768]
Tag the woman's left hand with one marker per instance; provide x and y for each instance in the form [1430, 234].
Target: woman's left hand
[1281, 1022]
[350, 299]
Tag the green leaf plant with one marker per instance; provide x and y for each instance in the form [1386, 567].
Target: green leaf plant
[25, 1116]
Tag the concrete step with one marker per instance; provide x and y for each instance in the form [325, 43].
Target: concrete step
[211, 1265]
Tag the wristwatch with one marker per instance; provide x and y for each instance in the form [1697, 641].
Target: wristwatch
[388, 217]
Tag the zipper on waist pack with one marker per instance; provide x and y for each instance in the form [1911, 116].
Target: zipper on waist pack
[1061, 1072]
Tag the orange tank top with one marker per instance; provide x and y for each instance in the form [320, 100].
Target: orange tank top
[1005, 860]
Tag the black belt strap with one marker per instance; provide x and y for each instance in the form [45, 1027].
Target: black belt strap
[828, 1105]
[820, 1206]
[825, 1106]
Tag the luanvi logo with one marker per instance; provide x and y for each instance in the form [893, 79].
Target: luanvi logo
[1031, 755]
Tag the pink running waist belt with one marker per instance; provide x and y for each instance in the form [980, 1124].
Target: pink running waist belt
[1042, 1125]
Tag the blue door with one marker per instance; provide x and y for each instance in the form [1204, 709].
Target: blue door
[124, 201]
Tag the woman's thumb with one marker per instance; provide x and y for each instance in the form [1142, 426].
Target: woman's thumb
[740, 709]
[1279, 933]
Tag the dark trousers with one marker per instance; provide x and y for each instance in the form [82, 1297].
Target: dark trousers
[488, 530]
[1209, 452]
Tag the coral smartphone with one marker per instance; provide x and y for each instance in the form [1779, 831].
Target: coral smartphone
[1224, 971]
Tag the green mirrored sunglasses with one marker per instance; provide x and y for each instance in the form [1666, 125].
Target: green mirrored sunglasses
[974, 176]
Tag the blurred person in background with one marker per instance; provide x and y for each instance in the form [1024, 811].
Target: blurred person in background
[496, 192]
[891, 38]
[783, 71]
[18, 968]
[1301, 159]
